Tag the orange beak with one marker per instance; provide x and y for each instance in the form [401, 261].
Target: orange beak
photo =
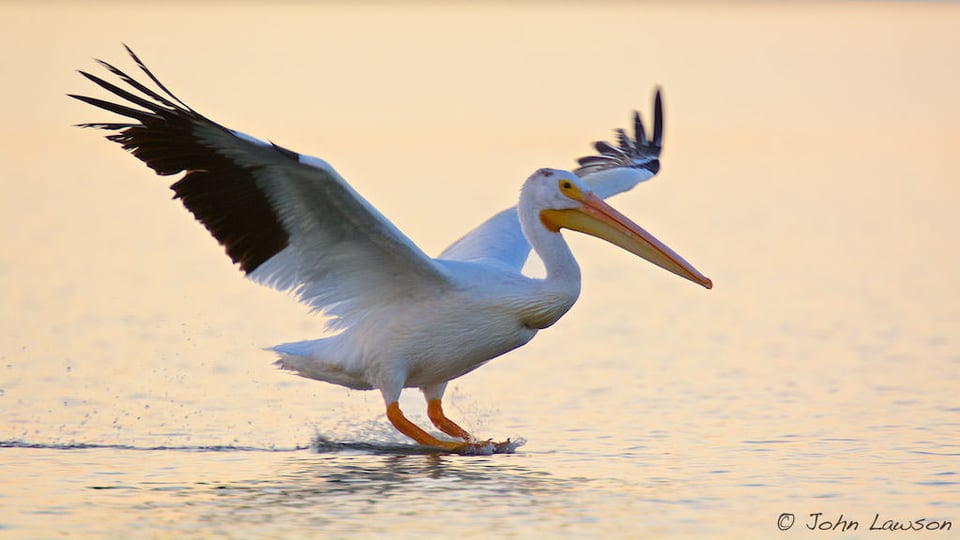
[599, 219]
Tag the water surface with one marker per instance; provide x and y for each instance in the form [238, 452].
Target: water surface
[809, 170]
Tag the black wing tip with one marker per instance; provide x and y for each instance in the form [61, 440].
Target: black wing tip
[639, 130]
[132, 54]
[161, 131]
[641, 152]
[143, 67]
[286, 151]
[658, 117]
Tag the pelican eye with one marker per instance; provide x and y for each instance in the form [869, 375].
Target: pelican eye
[570, 189]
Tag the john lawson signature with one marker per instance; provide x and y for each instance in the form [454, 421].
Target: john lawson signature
[818, 522]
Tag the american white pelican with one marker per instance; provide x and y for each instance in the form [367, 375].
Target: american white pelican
[404, 320]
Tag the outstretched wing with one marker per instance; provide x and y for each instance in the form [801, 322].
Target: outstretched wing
[613, 170]
[290, 221]
[616, 169]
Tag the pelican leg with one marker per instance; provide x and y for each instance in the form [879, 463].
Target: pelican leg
[433, 394]
[408, 428]
[444, 424]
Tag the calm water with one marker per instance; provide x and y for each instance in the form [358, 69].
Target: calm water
[810, 171]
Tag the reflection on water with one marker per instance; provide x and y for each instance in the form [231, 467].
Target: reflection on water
[237, 491]
[819, 375]
[336, 493]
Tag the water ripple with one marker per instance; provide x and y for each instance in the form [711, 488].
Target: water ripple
[198, 448]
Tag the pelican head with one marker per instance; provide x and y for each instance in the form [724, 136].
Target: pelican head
[564, 202]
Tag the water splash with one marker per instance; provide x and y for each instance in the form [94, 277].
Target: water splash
[322, 444]
[197, 448]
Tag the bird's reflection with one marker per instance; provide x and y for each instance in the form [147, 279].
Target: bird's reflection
[320, 480]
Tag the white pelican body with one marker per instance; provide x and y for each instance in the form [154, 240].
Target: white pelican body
[487, 309]
[489, 312]
[404, 319]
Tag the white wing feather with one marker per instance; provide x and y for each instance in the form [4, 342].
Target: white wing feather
[344, 257]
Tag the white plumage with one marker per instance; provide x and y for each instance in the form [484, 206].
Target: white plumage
[403, 319]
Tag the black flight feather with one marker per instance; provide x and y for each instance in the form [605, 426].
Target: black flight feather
[641, 152]
[221, 192]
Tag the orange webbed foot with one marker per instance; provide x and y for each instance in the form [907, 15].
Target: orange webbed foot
[469, 445]
[408, 428]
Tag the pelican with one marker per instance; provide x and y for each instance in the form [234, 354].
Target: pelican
[397, 318]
